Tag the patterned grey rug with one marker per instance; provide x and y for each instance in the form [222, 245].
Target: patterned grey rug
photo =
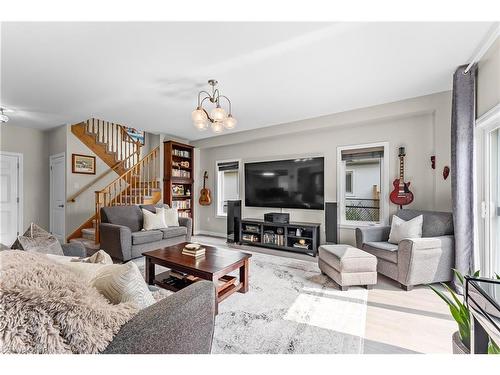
[290, 308]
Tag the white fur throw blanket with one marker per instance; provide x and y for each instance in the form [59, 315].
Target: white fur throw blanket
[46, 308]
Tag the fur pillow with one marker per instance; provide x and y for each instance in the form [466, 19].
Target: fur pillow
[153, 220]
[170, 214]
[47, 309]
[123, 283]
[401, 229]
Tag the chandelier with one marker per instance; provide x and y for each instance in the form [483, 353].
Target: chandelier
[218, 119]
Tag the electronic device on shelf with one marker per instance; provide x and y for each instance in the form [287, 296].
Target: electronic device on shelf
[277, 217]
[233, 221]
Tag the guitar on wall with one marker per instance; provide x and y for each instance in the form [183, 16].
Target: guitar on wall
[401, 195]
[205, 198]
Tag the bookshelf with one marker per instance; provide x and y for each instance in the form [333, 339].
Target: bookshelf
[178, 177]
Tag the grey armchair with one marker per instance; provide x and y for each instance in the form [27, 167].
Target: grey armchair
[122, 237]
[414, 261]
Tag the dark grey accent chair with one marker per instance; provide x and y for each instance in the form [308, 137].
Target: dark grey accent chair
[122, 237]
[414, 261]
[182, 323]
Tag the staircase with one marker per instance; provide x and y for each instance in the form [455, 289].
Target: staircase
[138, 178]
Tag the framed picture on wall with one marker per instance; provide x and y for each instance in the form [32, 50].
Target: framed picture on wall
[83, 164]
[137, 135]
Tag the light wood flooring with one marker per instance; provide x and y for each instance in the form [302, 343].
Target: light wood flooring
[397, 321]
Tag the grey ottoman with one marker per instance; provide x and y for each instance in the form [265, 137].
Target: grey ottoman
[348, 265]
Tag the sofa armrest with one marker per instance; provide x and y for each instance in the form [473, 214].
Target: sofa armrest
[188, 223]
[426, 260]
[116, 240]
[74, 249]
[371, 234]
[182, 323]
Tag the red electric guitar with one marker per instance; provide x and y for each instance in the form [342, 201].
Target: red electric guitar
[401, 195]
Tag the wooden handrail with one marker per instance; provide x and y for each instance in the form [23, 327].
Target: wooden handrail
[131, 187]
[72, 199]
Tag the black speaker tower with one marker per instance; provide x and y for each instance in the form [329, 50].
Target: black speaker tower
[233, 221]
[331, 222]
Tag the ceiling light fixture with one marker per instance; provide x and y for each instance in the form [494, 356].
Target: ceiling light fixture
[3, 118]
[218, 119]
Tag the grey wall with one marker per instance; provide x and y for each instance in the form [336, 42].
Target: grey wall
[421, 124]
[488, 80]
[31, 143]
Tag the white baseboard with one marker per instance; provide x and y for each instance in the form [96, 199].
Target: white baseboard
[208, 233]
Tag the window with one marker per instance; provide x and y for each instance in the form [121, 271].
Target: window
[487, 252]
[361, 183]
[228, 184]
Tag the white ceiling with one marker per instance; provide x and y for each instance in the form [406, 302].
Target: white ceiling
[147, 75]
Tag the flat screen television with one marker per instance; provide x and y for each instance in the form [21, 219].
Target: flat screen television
[294, 183]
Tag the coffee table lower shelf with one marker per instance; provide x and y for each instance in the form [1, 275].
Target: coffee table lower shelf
[225, 287]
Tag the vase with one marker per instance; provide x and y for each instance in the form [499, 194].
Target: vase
[457, 345]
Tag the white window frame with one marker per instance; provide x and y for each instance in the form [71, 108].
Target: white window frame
[484, 209]
[219, 192]
[384, 187]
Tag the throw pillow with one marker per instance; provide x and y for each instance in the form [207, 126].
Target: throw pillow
[401, 229]
[123, 283]
[153, 220]
[101, 257]
[170, 214]
[39, 241]
[32, 231]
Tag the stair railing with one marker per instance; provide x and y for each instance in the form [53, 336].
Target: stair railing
[117, 140]
[131, 187]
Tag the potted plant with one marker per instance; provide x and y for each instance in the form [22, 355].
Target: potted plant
[460, 312]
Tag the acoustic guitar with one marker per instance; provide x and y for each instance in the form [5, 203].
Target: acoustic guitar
[205, 198]
[401, 195]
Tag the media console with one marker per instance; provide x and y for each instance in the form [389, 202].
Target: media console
[293, 236]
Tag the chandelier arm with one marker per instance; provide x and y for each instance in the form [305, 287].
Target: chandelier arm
[229, 101]
[208, 116]
[199, 94]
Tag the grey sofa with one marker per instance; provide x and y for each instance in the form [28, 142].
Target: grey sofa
[122, 237]
[162, 328]
[414, 261]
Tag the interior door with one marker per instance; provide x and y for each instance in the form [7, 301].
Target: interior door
[9, 198]
[57, 196]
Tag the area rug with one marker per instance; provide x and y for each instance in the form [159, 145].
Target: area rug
[290, 308]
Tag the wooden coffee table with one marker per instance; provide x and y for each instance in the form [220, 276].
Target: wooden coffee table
[215, 267]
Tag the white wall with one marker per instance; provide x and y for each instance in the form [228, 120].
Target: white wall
[422, 125]
[31, 143]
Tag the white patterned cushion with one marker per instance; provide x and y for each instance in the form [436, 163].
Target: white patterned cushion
[171, 216]
[153, 220]
[123, 283]
[401, 229]
[101, 257]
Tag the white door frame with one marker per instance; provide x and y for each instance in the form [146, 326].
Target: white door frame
[51, 221]
[20, 188]
[482, 248]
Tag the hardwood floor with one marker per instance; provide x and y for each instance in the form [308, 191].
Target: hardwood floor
[396, 321]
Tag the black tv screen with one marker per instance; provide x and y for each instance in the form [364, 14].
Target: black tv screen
[294, 183]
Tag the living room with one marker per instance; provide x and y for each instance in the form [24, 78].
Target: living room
[304, 188]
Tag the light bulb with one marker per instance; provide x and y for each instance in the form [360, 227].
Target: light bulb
[199, 115]
[201, 125]
[217, 127]
[218, 114]
[230, 122]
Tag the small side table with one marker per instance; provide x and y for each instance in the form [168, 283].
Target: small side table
[483, 298]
